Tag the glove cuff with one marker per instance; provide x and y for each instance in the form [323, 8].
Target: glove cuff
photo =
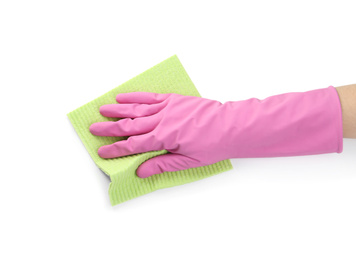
[290, 124]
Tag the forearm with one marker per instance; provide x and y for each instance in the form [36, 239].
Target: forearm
[347, 95]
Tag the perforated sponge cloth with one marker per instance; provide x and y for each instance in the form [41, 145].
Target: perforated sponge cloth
[168, 76]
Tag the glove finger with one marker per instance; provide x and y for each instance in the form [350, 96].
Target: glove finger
[130, 110]
[141, 97]
[133, 145]
[166, 163]
[125, 127]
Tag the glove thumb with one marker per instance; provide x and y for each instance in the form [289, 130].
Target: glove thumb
[166, 163]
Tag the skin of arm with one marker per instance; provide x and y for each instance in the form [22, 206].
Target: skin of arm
[347, 95]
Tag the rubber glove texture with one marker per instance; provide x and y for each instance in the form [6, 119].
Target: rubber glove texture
[198, 131]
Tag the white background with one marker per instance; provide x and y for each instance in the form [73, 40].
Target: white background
[58, 55]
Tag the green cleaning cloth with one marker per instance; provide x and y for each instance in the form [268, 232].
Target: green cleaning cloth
[168, 76]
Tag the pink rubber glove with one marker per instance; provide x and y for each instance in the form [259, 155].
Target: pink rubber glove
[198, 131]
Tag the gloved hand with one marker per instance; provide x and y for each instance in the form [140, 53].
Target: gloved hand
[198, 131]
